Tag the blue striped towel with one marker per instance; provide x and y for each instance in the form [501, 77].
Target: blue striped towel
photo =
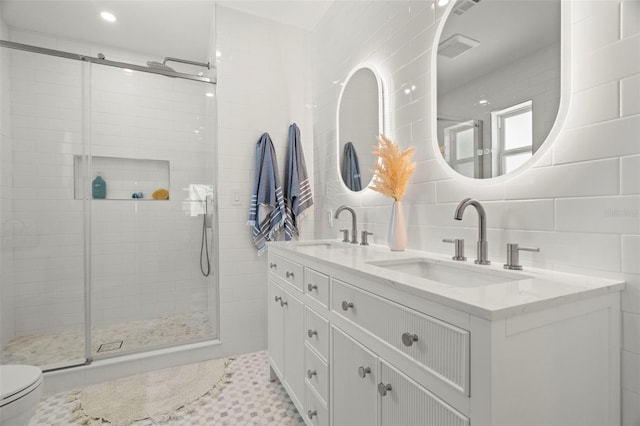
[267, 212]
[297, 189]
[350, 168]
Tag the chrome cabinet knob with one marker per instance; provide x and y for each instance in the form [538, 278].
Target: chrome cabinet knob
[408, 338]
[311, 373]
[346, 305]
[289, 274]
[383, 389]
[363, 371]
[278, 298]
[311, 414]
[284, 303]
[312, 333]
[312, 287]
[273, 266]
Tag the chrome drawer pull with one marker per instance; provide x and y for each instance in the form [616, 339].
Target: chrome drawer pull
[311, 373]
[312, 333]
[363, 371]
[284, 303]
[346, 305]
[408, 338]
[311, 414]
[278, 298]
[312, 287]
[289, 274]
[273, 266]
[383, 389]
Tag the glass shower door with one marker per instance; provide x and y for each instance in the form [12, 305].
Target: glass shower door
[43, 268]
[153, 145]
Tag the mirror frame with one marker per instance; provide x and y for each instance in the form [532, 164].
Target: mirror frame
[565, 97]
[381, 122]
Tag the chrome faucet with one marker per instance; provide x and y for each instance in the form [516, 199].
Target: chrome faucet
[483, 247]
[354, 222]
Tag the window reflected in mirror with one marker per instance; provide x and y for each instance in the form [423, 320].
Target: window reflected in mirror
[498, 83]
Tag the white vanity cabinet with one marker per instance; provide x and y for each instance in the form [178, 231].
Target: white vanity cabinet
[357, 346]
[285, 312]
[373, 384]
[354, 376]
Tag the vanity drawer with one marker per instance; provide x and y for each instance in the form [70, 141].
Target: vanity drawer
[316, 412]
[439, 347]
[317, 332]
[316, 285]
[289, 271]
[316, 373]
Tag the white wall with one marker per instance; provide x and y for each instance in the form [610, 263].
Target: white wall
[263, 86]
[580, 202]
[7, 327]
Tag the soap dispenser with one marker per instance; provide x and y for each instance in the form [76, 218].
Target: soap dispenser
[99, 187]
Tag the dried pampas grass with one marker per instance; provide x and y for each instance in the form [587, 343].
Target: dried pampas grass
[393, 170]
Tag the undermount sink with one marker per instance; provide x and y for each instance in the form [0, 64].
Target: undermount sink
[321, 245]
[446, 274]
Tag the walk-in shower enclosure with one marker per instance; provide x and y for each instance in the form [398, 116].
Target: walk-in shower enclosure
[84, 278]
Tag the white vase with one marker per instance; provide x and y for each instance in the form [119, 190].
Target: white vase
[397, 236]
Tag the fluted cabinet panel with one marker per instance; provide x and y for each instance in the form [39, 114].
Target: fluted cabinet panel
[437, 346]
[407, 403]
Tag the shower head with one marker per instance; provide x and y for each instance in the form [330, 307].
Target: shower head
[160, 66]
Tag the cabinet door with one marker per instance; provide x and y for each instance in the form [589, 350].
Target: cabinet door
[293, 345]
[404, 402]
[275, 327]
[354, 396]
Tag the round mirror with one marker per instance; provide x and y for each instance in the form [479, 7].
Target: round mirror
[498, 83]
[359, 124]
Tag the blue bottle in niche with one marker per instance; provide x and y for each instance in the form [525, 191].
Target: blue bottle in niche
[99, 187]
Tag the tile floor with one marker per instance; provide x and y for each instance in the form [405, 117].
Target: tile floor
[250, 399]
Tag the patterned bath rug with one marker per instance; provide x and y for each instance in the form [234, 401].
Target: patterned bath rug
[154, 395]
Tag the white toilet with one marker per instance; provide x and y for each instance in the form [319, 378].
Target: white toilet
[21, 389]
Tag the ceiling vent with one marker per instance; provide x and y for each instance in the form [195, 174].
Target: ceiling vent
[463, 5]
[456, 45]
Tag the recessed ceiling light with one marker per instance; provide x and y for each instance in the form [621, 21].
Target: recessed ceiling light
[209, 95]
[108, 16]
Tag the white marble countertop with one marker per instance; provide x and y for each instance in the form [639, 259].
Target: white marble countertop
[513, 293]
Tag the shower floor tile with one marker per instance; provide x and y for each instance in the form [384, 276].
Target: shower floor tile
[250, 399]
[55, 347]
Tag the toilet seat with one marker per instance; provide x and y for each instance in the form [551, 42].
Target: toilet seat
[18, 381]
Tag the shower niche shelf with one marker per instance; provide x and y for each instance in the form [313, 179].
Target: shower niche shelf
[124, 176]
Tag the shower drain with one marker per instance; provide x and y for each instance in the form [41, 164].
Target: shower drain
[111, 346]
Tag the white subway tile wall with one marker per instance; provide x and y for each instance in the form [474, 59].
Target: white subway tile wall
[264, 77]
[7, 227]
[579, 202]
